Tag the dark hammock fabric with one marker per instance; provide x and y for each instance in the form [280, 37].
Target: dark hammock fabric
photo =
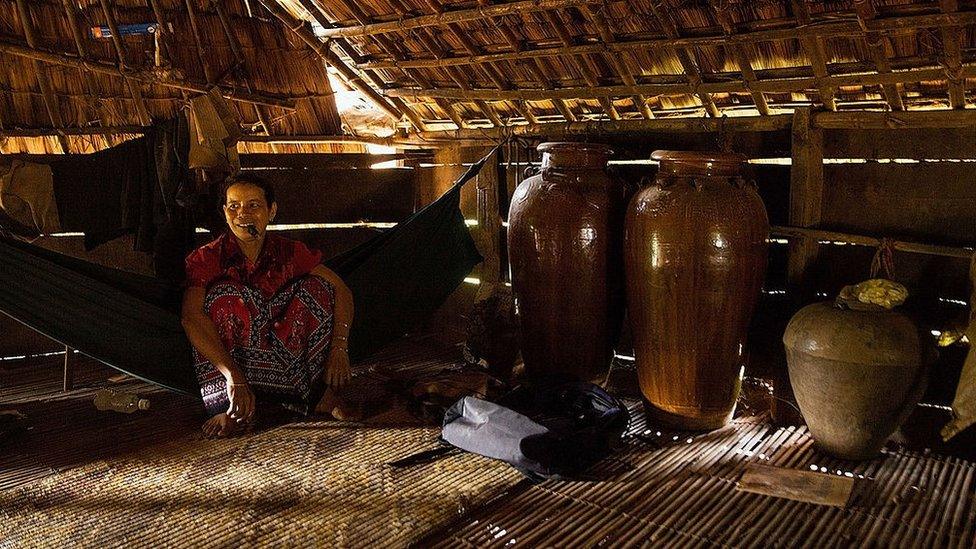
[131, 322]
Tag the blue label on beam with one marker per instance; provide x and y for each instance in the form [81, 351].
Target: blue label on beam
[124, 30]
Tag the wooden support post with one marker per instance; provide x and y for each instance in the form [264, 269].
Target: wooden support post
[489, 226]
[806, 204]
[69, 370]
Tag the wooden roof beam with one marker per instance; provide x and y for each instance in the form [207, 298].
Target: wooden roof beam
[120, 52]
[686, 58]
[771, 85]
[876, 46]
[143, 76]
[589, 74]
[595, 16]
[952, 52]
[455, 16]
[742, 59]
[815, 48]
[40, 73]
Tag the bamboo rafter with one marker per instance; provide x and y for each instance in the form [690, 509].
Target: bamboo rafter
[767, 86]
[876, 46]
[144, 76]
[120, 52]
[952, 52]
[40, 72]
[825, 29]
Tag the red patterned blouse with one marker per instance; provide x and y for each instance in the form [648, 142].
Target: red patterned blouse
[281, 260]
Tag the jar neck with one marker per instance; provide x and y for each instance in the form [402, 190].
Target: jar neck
[689, 168]
[565, 160]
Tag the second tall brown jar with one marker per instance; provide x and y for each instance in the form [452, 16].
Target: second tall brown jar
[564, 242]
[695, 260]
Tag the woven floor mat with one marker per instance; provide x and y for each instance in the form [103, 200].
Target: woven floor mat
[675, 490]
[307, 484]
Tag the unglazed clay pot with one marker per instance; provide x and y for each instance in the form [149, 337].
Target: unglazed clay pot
[695, 251]
[856, 374]
[564, 248]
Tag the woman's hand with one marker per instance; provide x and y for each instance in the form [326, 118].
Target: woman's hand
[242, 404]
[337, 369]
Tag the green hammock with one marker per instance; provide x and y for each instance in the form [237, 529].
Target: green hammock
[131, 322]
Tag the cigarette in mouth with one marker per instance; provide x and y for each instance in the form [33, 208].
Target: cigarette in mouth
[251, 230]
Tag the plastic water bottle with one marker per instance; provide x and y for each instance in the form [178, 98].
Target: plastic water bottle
[107, 399]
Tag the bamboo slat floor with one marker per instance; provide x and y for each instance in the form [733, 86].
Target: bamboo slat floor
[89, 478]
[679, 490]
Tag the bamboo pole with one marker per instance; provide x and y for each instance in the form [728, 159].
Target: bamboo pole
[191, 12]
[619, 66]
[815, 48]
[371, 77]
[456, 16]
[959, 252]
[93, 103]
[40, 73]
[535, 67]
[686, 56]
[120, 52]
[589, 73]
[818, 30]
[742, 59]
[144, 76]
[952, 57]
[323, 50]
[876, 46]
[768, 86]
[94, 130]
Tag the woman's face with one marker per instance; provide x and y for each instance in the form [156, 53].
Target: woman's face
[246, 206]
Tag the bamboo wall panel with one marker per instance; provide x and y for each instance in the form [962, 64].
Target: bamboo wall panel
[927, 202]
[341, 196]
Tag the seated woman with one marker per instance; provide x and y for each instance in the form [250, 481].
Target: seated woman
[269, 324]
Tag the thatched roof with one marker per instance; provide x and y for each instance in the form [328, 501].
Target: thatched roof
[275, 68]
[552, 60]
[440, 64]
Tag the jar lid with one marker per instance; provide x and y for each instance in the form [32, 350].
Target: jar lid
[589, 148]
[699, 162]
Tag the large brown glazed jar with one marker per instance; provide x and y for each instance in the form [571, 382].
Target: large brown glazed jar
[695, 251]
[564, 247]
[856, 374]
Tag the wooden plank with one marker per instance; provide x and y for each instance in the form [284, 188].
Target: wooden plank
[342, 196]
[895, 120]
[916, 143]
[316, 161]
[806, 486]
[959, 252]
[924, 202]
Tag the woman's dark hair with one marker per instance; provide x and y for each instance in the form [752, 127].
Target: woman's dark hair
[249, 179]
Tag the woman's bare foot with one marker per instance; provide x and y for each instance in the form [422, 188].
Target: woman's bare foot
[331, 404]
[221, 425]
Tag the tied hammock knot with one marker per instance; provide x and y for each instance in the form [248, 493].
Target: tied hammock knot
[883, 260]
